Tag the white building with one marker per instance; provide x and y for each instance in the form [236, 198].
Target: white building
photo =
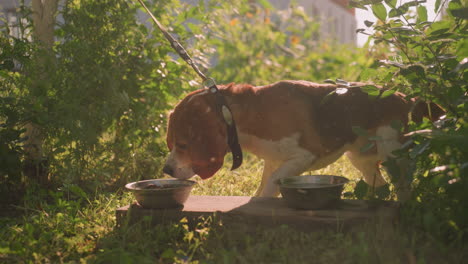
[337, 20]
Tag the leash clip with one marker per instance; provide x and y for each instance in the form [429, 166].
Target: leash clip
[210, 83]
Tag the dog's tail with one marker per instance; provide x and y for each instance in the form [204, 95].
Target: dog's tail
[422, 109]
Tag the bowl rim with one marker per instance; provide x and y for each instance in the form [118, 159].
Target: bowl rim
[280, 183]
[130, 186]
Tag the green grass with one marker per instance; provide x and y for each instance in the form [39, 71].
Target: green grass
[246, 179]
[70, 226]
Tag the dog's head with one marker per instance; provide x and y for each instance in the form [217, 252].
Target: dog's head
[196, 137]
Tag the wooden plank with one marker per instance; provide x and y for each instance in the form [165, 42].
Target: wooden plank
[264, 211]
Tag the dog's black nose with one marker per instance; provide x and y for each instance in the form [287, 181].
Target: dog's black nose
[168, 170]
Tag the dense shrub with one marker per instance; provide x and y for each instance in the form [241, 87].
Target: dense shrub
[429, 61]
[102, 107]
[12, 116]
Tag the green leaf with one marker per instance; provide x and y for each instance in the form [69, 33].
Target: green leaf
[168, 253]
[7, 65]
[419, 149]
[455, 4]
[362, 31]
[455, 93]
[415, 2]
[399, 11]
[414, 70]
[371, 90]
[408, 31]
[387, 77]
[367, 147]
[327, 97]
[460, 12]
[440, 26]
[367, 74]
[392, 167]
[361, 189]
[359, 131]
[414, 73]
[379, 11]
[437, 6]
[76, 190]
[462, 49]
[387, 93]
[391, 3]
[368, 23]
[393, 13]
[382, 192]
[422, 13]
[357, 4]
[372, 2]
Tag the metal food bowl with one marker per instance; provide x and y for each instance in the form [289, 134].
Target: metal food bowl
[161, 193]
[312, 191]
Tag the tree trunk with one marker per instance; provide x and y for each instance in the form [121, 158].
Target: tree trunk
[44, 12]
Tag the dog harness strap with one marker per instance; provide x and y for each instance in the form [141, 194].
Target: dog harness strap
[233, 141]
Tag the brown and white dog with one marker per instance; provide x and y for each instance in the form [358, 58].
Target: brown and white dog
[295, 126]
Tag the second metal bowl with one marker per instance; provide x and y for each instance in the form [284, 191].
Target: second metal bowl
[312, 191]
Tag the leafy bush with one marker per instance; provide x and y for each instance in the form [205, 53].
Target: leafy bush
[13, 52]
[102, 106]
[109, 95]
[429, 61]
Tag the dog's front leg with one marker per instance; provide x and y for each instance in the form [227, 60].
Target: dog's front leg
[292, 167]
[268, 168]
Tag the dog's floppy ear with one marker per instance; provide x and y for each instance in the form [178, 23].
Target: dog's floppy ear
[208, 146]
[169, 129]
